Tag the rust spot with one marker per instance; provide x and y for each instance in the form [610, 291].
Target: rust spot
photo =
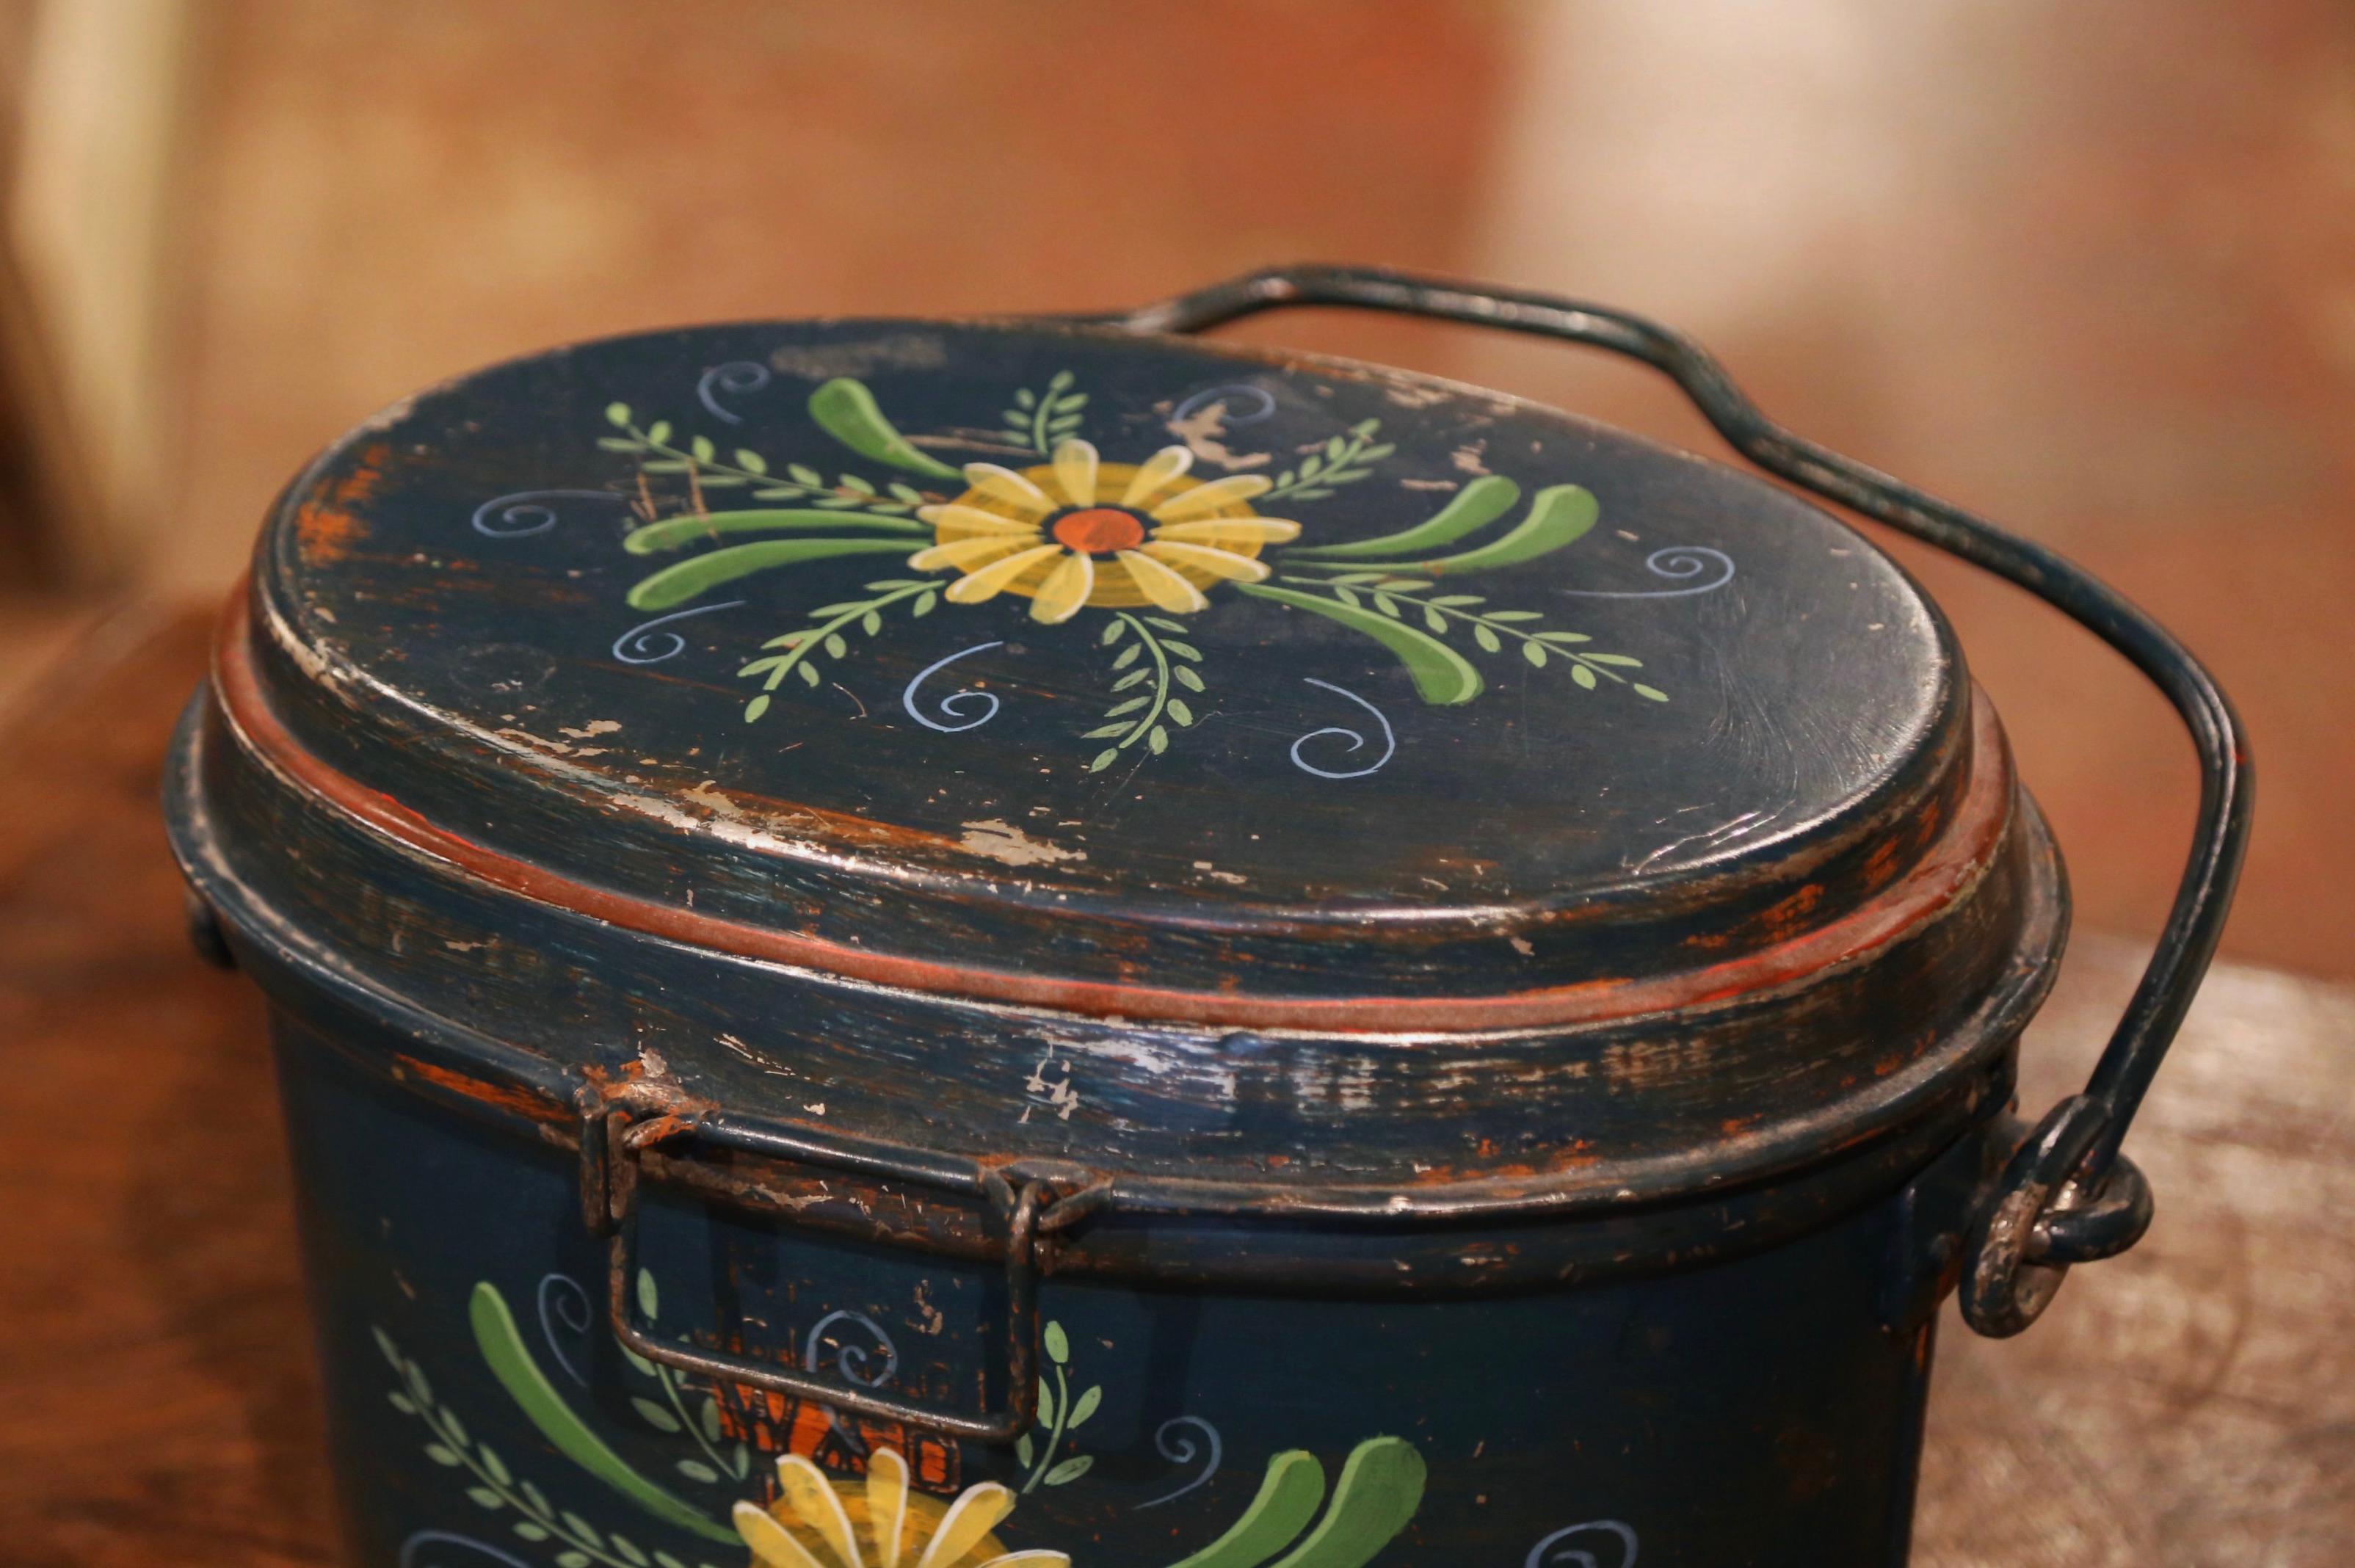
[505, 1097]
[322, 525]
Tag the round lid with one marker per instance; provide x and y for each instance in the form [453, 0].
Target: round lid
[1250, 775]
[1052, 664]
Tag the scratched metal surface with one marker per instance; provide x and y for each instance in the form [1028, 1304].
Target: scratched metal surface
[2186, 1406]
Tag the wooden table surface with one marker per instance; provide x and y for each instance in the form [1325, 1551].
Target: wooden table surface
[2191, 1404]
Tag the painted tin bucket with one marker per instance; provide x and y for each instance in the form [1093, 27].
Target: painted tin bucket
[911, 944]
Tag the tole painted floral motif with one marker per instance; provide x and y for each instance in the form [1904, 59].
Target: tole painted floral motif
[867, 1506]
[1127, 550]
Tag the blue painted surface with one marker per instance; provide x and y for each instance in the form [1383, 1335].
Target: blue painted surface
[1651, 1285]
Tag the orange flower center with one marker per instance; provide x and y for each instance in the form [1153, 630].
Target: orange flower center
[1099, 530]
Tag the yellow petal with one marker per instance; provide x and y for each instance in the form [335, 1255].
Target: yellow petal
[1007, 485]
[1156, 471]
[1234, 530]
[1161, 585]
[1202, 557]
[1075, 471]
[1037, 1557]
[991, 580]
[974, 1514]
[887, 1504]
[1204, 499]
[972, 519]
[1066, 589]
[969, 553]
[818, 1506]
[769, 1540]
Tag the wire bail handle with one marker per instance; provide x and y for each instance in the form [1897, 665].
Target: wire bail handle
[2067, 1195]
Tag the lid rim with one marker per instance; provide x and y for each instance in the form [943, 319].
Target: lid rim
[1823, 1136]
[1947, 868]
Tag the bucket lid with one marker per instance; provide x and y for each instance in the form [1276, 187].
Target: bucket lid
[1076, 684]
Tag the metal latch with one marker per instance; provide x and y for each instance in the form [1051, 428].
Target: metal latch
[611, 1144]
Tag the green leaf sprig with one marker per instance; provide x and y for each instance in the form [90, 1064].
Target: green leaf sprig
[1444, 614]
[1060, 1414]
[703, 1425]
[497, 1488]
[1039, 420]
[827, 637]
[700, 460]
[1141, 717]
[1343, 460]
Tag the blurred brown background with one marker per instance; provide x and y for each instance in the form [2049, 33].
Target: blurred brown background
[2090, 268]
[2087, 267]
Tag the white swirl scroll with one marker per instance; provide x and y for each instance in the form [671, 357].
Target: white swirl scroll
[526, 512]
[736, 377]
[1554, 1550]
[1357, 742]
[851, 1360]
[425, 1537]
[1169, 1440]
[634, 646]
[1674, 562]
[948, 705]
[1228, 394]
[569, 1307]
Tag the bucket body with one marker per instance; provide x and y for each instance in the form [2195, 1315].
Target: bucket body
[1762, 1411]
[1262, 1039]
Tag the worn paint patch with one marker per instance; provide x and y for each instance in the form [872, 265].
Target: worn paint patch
[325, 525]
[1204, 434]
[997, 840]
[821, 361]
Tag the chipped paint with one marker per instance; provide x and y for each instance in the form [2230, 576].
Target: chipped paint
[1202, 432]
[994, 839]
[325, 527]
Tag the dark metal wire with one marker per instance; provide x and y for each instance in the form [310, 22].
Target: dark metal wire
[2205, 894]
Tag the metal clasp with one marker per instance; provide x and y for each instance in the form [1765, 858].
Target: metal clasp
[611, 1143]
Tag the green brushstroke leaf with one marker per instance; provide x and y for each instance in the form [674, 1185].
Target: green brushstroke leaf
[677, 584]
[1442, 676]
[1559, 516]
[1380, 1489]
[673, 532]
[845, 410]
[503, 1352]
[1288, 1496]
[1475, 506]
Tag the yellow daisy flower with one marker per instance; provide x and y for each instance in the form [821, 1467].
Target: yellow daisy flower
[875, 1522]
[1077, 531]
